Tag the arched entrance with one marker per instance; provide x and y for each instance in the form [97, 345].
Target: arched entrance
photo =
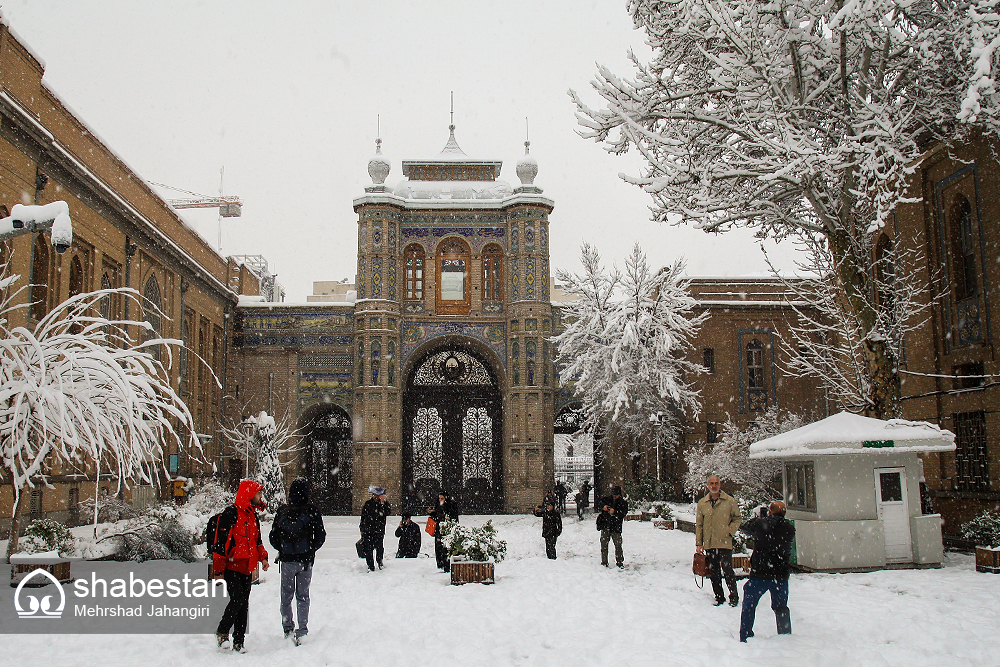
[453, 432]
[329, 450]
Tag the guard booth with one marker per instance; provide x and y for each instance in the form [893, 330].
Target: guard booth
[852, 487]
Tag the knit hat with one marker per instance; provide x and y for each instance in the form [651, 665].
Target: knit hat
[376, 490]
[616, 491]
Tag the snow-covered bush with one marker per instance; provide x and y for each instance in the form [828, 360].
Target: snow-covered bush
[641, 493]
[47, 535]
[983, 529]
[158, 533]
[109, 509]
[209, 498]
[478, 544]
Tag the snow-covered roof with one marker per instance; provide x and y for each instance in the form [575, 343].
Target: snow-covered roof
[847, 433]
[468, 190]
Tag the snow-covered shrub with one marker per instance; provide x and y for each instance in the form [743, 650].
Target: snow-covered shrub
[983, 529]
[479, 544]
[109, 509]
[209, 498]
[640, 493]
[156, 534]
[47, 535]
[663, 510]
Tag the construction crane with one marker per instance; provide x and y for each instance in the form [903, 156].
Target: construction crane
[230, 206]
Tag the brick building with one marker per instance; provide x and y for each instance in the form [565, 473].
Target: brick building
[124, 236]
[951, 371]
[740, 346]
[439, 374]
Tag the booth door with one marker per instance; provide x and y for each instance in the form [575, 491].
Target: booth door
[890, 492]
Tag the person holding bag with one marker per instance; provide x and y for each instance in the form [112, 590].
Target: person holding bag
[717, 521]
[446, 509]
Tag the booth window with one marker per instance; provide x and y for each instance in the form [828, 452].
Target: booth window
[414, 259]
[800, 486]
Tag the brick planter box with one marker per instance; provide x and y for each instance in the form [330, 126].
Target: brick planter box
[61, 571]
[987, 560]
[471, 572]
[665, 524]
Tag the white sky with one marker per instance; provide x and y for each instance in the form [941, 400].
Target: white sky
[286, 98]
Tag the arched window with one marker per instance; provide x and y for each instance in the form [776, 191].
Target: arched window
[76, 277]
[40, 279]
[376, 359]
[152, 312]
[515, 361]
[755, 375]
[492, 273]
[453, 277]
[530, 352]
[963, 249]
[390, 358]
[413, 258]
[106, 299]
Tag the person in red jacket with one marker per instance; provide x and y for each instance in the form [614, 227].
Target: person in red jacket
[244, 550]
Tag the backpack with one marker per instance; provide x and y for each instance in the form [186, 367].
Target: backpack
[294, 531]
[217, 537]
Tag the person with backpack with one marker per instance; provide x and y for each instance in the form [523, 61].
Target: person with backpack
[297, 533]
[551, 527]
[236, 551]
[409, 538]
[373, 516]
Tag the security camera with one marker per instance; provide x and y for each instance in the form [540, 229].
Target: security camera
[17, 224]
[61, 248]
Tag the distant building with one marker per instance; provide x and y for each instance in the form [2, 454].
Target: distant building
[332, 291]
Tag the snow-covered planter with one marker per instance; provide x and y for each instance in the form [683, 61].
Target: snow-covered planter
[47, 535]
[984, 530]
[473, 551]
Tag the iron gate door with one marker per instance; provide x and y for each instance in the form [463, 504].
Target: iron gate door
[329, 464]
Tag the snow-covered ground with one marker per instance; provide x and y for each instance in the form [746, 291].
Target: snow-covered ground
[574, 612]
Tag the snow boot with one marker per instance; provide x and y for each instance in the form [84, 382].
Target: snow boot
[297, 640]
[288, 633]
[719, 602]
[238, 648]
[221, 639]
[734, 600]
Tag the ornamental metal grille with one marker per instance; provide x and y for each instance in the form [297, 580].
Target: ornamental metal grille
[477, 445]
[451, 368]
[333, 420]
[971, 464]
[345, 467]
[321, 464]
[427, 444]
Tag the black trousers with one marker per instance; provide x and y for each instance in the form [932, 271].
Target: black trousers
[235, 616]
[441, 554]
[550, 547]
[373, 542]
[721, 561]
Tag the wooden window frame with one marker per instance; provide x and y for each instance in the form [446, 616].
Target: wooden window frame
[446, 253]
[414, 259]
[492, 273]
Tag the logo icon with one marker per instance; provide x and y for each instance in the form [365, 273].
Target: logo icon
[39, 608]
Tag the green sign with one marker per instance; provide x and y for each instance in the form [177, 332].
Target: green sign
[878, 444]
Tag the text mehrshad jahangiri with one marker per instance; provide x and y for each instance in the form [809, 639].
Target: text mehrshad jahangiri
[96, 588]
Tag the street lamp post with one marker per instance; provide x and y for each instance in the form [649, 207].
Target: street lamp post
[656, 420]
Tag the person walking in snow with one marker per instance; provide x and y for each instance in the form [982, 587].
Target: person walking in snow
[769, 566]
[717, 521]
[297, 533]
[238, 529]
[551, 527]
[373, 516]
[409, 538]
[561, 493]
[612, 516]
[446, 510]
[578, 499]
[585, 490]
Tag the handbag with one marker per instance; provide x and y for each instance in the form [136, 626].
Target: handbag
[701, 568]
[431, 526]
[361, 547]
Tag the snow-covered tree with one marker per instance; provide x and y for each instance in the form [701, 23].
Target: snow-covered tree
[829, 339]
[622, 351]
[264, 441]
[76, 391]
[799, 119]
[730, 457]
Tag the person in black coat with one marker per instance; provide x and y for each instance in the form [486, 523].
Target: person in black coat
[769, 567]
[409, 538]
[373, 516]
[613, 511]
[446, 510]
[297, 533]
[551, 527]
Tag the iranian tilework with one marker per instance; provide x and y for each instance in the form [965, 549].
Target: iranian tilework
[390, 279]
[476, 236]
[515, 239]
[529, 235]
[529, 278]
[376, 235]
[544, 278]
[291, 322]
[362, 236]
[515, 284]
[543, 237]
[391, 237]
[325, 386]
[417, 333]
[382, 213]
[362, 276]
[295, 339]
[376, 292]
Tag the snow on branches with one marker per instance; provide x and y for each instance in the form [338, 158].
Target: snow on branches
[76, 390]
[622, 351]
[264, 440]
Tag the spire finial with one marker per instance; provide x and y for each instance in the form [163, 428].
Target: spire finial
[526, 142]
[451, 127]
[378, 135]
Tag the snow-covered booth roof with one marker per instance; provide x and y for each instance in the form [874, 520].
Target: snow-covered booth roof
[847, 433]
[452, 175]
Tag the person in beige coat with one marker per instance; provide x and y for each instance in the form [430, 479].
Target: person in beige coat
[718, 520]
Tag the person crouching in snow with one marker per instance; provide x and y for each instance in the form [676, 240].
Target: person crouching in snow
[297, 533]
[243, 551]
[409, 538]
[551, 527]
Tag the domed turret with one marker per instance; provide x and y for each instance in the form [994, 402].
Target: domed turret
[378, 166]
[527, 167]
